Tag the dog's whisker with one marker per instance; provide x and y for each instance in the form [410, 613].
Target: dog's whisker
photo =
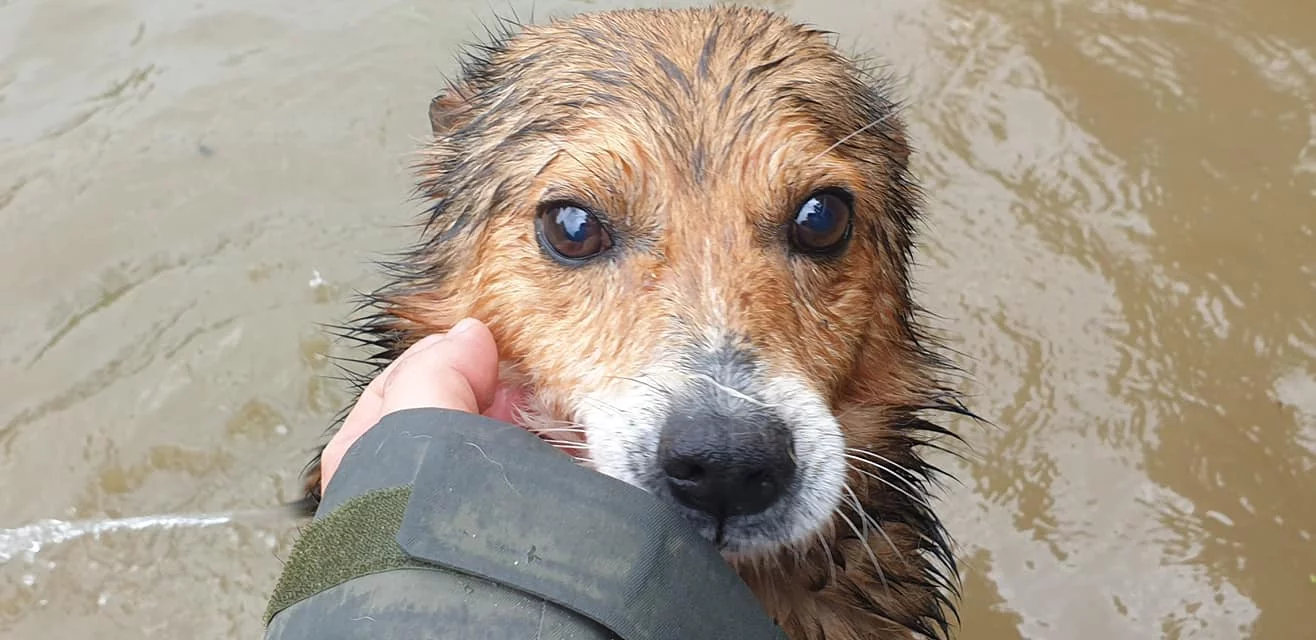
[876, 525]
[870, 453]
[881, 472]
[886, 116]
[900, 473]
[568, 444]
[868, 548]
[903, 477]
[889, 484]
[561, 429]
[652, 385]
[827, 556]
[732, 392]
[560, 423]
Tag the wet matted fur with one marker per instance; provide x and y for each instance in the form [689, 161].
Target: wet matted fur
[698, 132]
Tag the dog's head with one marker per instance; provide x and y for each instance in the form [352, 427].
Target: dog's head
[690, 233]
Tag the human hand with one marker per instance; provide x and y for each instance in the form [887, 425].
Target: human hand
[457, 370]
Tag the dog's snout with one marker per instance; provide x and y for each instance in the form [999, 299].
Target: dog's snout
[726, 465]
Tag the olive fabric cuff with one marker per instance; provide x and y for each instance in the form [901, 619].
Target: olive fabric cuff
[357, 539]
[470, 497]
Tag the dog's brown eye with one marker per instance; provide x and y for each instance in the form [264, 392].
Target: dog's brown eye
[572, 232]
[823, 224]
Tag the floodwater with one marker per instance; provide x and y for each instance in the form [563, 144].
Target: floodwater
[1122, 244]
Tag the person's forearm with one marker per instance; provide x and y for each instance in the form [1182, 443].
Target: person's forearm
[449, 525]
[349, 578]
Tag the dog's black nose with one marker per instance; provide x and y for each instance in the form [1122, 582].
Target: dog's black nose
[726, 463]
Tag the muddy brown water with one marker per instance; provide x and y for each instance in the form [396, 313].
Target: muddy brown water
[1122, 244]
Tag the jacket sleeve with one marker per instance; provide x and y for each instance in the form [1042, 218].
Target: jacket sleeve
[443, 524]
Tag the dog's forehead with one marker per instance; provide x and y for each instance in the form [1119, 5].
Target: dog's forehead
[705, 36]
[678, 96]
[718, 59]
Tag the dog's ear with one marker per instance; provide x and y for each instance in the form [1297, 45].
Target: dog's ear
[446, 110]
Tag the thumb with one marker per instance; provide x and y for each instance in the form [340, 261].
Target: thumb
[457, 370]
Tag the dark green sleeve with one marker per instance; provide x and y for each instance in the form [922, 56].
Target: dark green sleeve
[442, 524]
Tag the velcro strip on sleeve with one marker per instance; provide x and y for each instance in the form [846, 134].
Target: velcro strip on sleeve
[356, 539]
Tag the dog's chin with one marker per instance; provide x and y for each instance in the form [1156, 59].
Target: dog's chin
[783, 526]
[791, 522]
[740, 536]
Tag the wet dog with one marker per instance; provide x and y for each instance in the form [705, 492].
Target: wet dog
[691, 233]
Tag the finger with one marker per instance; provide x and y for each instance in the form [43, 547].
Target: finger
[459, 371]
[442, 386]
[366, 412]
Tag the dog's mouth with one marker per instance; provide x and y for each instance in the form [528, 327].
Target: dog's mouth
[752, 458]
[727, 526]
[752, 472]
[735, 524]
[737, 534]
